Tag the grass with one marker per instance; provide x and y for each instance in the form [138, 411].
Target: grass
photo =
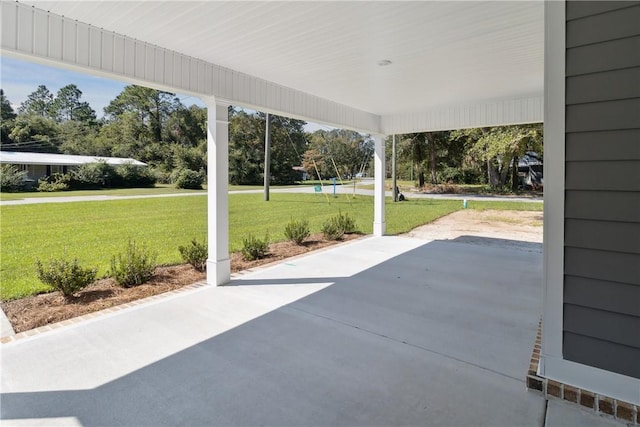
[95, 231]
[402, 185]
[158, 189]
[463, 188]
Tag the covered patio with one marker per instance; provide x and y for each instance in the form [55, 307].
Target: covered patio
[381, 331]
[382, 68]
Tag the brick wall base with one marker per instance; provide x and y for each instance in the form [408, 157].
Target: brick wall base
[623, 411]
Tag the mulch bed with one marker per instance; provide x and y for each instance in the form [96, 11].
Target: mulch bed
[40, 310]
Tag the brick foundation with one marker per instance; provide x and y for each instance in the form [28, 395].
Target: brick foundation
[622, 411]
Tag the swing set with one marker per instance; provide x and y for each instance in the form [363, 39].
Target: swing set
[320, 188]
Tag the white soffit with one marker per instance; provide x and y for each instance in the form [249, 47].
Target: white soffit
[443, 54]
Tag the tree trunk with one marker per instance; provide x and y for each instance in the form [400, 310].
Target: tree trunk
[492, 174]
[432, 165]
[432, 157]
[421, 178]
[515, 181]
[504, 173]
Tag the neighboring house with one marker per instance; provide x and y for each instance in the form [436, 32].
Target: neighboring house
[39, 165]
[304, 175]
[530, 169]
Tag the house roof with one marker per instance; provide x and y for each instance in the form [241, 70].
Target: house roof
[26, 158]
[452, 63]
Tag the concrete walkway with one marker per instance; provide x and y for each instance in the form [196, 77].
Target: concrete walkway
[381, 331]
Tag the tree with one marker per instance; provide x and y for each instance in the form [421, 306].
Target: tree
[7, 115]
[38, 102]
[413, 148]
[149, 107]
[337, 152]
[288, 142]
[501, 147]
[186, 126]
[126, 136]
[6, 110]
[78, 137]
[66, 106]
[32, 132]
[437, 143]
[246, 147]
[194, 158]
[186, 131]
[246, 150]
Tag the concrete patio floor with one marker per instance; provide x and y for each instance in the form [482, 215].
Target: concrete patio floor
[381, 331]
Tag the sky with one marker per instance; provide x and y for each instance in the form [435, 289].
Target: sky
[20, 78]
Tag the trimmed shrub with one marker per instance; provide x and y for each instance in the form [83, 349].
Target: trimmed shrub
[189, 179]
[254, 248]
[195, 254]
[91, 176]
[346, 223]
[134, 267]
[297, 231]
[11, 178]
[65, 276]
[134, 176]
[332, 229]
[56, 182]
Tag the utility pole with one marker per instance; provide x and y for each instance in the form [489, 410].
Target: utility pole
[394, 187]
[267, 158]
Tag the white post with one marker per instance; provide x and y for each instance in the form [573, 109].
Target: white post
[394, 172]
[218, 263]
[378, 190]
[267, 157]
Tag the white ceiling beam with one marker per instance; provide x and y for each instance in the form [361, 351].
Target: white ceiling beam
[480, 114]
[45, 37]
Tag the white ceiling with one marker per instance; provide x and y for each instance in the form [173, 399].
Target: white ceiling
[442, 53]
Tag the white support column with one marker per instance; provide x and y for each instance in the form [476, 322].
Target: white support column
[554, 147]
[379, 225]
[218, 263]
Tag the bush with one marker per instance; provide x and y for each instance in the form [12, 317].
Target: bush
[441, 189]
[297, 231]
[254, 248]
[11, 178]
[134, 267]
[189, 179]
[134, 176]
[195, 254]
[332, 229]
[93, 176]
[65, 276]
[56, 182]
[346, 223]
[161, 176]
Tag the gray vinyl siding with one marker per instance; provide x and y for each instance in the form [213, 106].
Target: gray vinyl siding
[601, 319]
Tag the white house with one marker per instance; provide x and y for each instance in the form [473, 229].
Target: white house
[38, 165]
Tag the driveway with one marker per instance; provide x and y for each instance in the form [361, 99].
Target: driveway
[381, 331]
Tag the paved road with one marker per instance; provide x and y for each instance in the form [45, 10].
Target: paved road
[348, 189]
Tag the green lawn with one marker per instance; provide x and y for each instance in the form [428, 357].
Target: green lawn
[158, 189]
[402, 185]
[95, 231]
